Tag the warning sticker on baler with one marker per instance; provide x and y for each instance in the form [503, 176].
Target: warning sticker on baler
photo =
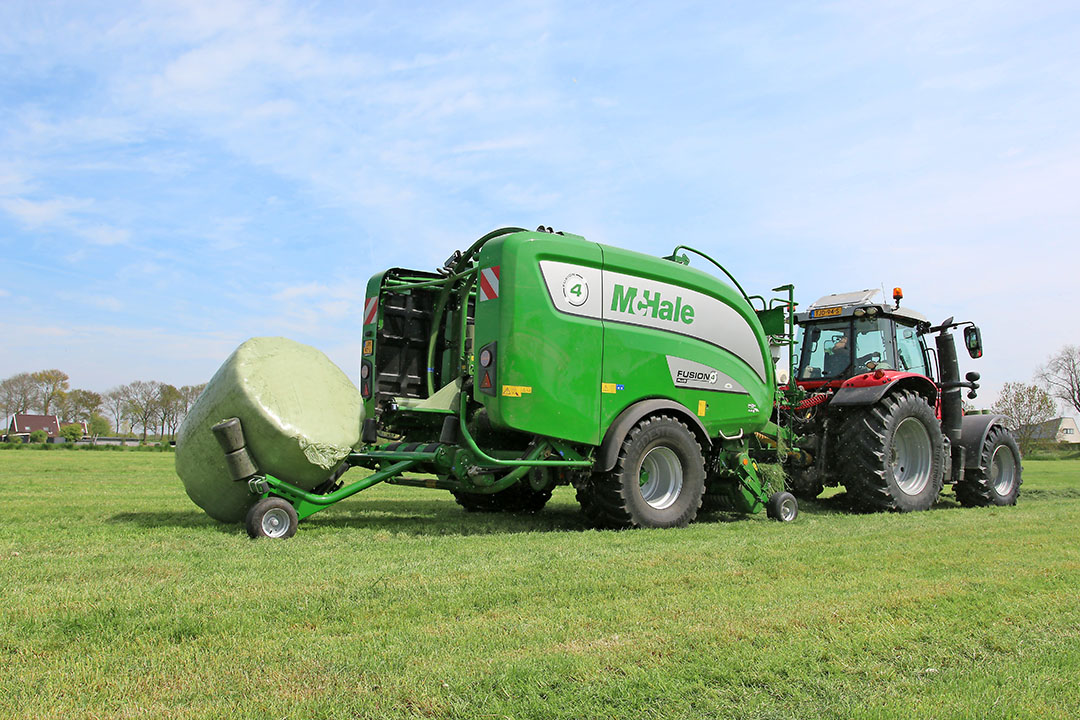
[489, 283]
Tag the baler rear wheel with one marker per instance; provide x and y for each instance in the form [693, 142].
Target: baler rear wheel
[998, 480]
[890, 455]
[658, 479]
[272, 517]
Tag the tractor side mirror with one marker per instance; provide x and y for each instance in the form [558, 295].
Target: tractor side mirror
[973, 341]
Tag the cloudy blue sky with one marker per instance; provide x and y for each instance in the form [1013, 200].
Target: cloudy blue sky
[176, 177]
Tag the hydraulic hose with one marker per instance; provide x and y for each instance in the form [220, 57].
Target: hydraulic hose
[444, 296]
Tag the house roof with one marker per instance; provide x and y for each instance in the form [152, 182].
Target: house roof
[21, 423]
[1048, 430]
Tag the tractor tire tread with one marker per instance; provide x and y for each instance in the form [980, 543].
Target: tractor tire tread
[861, 453]
[975, 489]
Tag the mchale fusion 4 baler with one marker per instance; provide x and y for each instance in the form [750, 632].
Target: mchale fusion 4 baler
[534, 359]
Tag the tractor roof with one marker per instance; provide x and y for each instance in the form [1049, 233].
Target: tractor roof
[845, 304]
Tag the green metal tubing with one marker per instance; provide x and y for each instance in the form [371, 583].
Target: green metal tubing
[394, 456]
[294, 493]
[399, 285]
[467, 256]
[437, 484]
[722, 268]
[440, 305]
[502, 483]
[514, 463]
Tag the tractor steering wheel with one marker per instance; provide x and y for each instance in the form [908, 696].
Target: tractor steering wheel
[865, 360]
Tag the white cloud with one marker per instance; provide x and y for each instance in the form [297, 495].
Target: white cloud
[43, 213]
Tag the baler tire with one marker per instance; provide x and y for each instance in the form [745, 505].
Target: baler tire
[868, 459]
[782, 507]
[519, 499]
[662, 445]
[998, 480]
[272, 517]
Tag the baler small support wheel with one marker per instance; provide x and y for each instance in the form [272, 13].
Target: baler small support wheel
[782, 507]
[272, 517]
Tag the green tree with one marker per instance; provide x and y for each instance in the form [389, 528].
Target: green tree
[49, 384]
[1026, 406]
[71, 432]
[99, 426]
[39, 436]
[61, 408]
[83, 404]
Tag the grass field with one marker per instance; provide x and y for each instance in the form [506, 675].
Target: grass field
[119, 598]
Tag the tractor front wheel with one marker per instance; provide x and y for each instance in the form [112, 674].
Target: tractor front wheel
[890, 455]
[658, 479]
[272, 517]
[997, 479]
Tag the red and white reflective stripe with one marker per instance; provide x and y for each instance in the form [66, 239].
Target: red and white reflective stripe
[371, 306]
[489, 283]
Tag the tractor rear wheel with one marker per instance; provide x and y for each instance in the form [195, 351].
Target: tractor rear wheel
[658, 479]
[997, 481]
[890, 455]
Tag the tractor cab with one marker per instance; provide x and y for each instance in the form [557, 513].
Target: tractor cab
[848, 334]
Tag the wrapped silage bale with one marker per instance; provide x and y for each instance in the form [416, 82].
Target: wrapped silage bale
[301, 417]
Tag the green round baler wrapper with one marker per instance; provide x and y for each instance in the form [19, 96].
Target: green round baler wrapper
[301, 417]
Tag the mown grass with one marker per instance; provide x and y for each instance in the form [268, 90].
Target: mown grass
[119, 598]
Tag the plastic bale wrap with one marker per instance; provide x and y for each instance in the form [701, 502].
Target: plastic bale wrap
[301, 417]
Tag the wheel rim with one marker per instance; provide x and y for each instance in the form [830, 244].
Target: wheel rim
[1003, 471]
[275, 522]
[912, 456]
[660, 477]
[788, 508]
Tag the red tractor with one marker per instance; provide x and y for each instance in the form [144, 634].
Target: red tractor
[878, 410]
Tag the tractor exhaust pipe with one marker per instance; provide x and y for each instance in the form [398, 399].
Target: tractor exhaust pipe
[952, 406]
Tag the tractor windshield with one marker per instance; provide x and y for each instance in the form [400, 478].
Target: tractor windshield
[842, 348]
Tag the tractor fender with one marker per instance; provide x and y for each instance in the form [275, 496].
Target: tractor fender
[975, 430]
[613, 439]
[870, 394]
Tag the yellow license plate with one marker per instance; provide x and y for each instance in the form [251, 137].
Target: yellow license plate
[826, 312]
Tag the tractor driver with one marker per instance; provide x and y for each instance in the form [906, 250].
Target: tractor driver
[838, 358]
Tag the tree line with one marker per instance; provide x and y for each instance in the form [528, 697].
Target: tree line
[146, 406]
[1028, 404]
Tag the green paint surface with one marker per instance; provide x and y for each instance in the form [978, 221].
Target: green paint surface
[300, 413]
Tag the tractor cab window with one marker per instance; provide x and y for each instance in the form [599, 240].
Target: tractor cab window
[909, 351]
[824, 351]
[841, 349]
[872, 344]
